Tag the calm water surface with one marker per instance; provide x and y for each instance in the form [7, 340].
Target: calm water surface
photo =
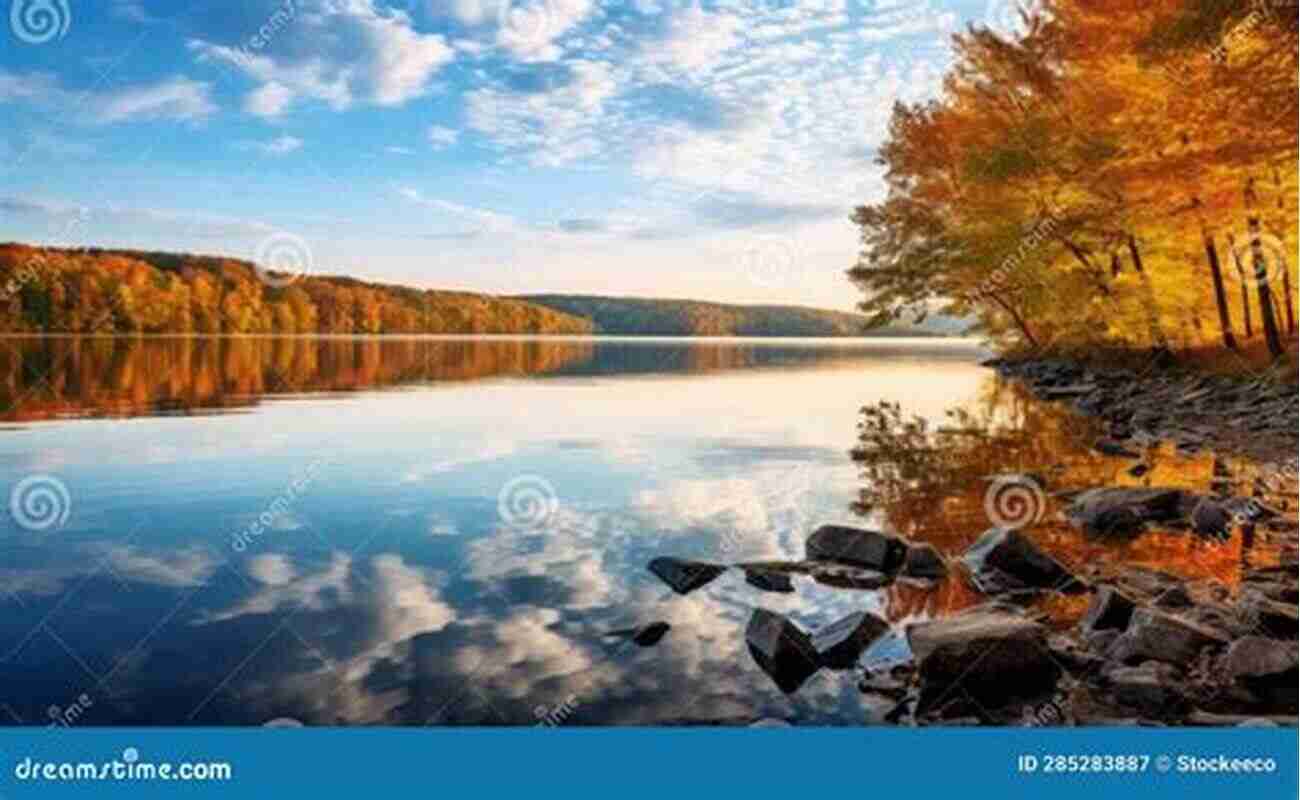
[436, 531]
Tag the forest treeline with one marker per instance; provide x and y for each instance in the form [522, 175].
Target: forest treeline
[635, 316]
[1121, 174]
[110, 291]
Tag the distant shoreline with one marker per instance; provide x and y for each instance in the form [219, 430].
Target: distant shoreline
[89, 291]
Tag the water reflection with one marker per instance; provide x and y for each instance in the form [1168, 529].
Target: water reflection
[937, 482]
[390, 589]
[56, 377]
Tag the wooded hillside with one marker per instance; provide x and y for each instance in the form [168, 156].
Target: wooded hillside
[631, 316]
[92, 290]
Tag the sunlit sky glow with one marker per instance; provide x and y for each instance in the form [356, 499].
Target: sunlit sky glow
[633, 147]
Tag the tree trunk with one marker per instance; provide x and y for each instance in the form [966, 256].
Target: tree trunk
[1282, 220]
[1157, 335]
[1245, 291]
[1267, 320]
[1220, 297]
[1097, 275]
[1019, 320]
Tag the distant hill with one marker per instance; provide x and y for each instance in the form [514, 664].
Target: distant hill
[626, 316]
[91, 290]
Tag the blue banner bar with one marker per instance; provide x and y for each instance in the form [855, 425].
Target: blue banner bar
[1060, 764]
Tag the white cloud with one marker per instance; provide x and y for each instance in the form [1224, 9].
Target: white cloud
[268, 100]
[177, 98]
[340, 53]
[475, 221]
[279, 146]
[554, 127]
[529, 29]
[696, 38]
[441, 137]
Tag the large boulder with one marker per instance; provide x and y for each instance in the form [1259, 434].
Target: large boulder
[994, 657]
[1266, 616]
[1266, 668]
[1211, 517]
[840, 643]
[1109, 610]
[781, 649]
[857, 547]
[685, 576]
[1005, 561]
[769, 580]
[1156, 636]
[923, 561]
[768, 575]
[1124, 511]
[1152, 688]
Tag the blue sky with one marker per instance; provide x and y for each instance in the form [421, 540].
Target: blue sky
[638, 147]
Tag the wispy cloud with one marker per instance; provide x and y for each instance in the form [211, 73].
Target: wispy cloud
[178, 98]
[279, 146]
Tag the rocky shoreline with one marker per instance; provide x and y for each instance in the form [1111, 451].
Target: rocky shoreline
[1152, 648]
[1257, 418]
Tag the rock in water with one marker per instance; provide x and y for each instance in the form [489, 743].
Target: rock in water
[1110, 447]
[1267, 617]
[839, 644]
[650, 635]
[1265, 668]
[1211, 518]
[924, 561]
[1005, 561]
[783, 651]
[685, 576]
[1109, 610]
[996, 658]
[1123, 512]
[857, 547]
[1155, 636]
[769, 580]
[644, 636]
[1152, 688]
[845, 577]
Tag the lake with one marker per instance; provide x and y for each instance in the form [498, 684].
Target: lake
[454, 531]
